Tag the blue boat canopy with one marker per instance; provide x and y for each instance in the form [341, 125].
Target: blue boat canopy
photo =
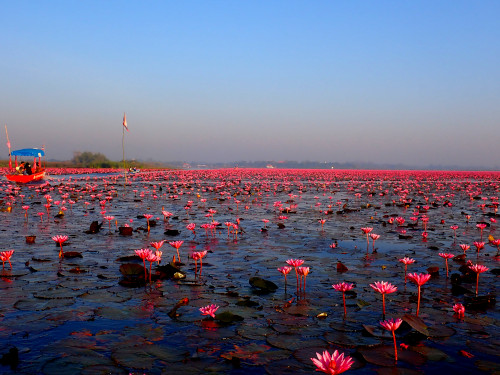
[36, 152]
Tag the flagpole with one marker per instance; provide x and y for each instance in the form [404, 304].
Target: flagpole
[8, 145]
[123, 149]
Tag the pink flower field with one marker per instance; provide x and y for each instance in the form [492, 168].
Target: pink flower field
[231, 272]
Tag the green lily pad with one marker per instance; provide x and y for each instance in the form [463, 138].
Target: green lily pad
[136, 357]
[417, 324]
[384, 356]
[228, 317]
[264, 286]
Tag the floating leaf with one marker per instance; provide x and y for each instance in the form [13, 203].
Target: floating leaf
[228, 317]
[384, 356]
[264, 286]
[416, 323]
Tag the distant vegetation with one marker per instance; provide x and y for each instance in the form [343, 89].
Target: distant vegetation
[93, 160]
[96, 160]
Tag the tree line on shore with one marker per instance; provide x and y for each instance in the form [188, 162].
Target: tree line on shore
[88, 159]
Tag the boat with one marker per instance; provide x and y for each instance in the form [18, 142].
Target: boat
[38, 169]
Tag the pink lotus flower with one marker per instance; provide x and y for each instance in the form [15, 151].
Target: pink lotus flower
[147, 217]
[374, 238]
[419, 279]
[157, 245]
[285, 271]
[177, 245]
[464, 247]
[151, 258]
[296, 263]
[109, 219]
[265, 222]
[191, 227]
[143, 254]
[479, 245]
[446, 256]
[322, 222]
[343, 287]
[392, 325]
[367, 230]
[332, 364]
[459, 310]
[198, 255]
[481, 226]
[406, 261]
[209, 310]
[60, 240]
[478, 268]
[384, 288]
[303, 272]
[5, 257]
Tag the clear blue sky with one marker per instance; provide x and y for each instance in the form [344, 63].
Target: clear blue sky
[416, 82]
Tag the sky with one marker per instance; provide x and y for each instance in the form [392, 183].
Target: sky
[411, 82]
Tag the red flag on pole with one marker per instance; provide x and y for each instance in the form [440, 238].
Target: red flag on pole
[125, 121]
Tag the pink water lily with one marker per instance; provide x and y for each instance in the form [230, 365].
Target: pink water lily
[478, 268]
[296, 263]
[343, 287]
[464, 247]
[198, 255]
[374, 238]
[147, 217]
[479, 245]
[285, 271]
[191, 227]
[459, 310]
[384, 288]
[392, 325]
[419, 279]
[143, 254]
[60, 240]
[446, 256]
[177, 245]
[209, 310]
[5, 257]
[481, 227]
[406, 261]
[332, 364]
[151, 258]
[367, 230]
[303, 272]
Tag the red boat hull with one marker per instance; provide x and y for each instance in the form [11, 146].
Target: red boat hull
[25, 178]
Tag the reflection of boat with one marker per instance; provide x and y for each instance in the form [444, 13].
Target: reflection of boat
[38, 170]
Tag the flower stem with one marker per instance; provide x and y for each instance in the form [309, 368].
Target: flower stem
[395, 346]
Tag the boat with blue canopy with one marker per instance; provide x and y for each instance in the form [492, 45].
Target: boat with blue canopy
[18, 175]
